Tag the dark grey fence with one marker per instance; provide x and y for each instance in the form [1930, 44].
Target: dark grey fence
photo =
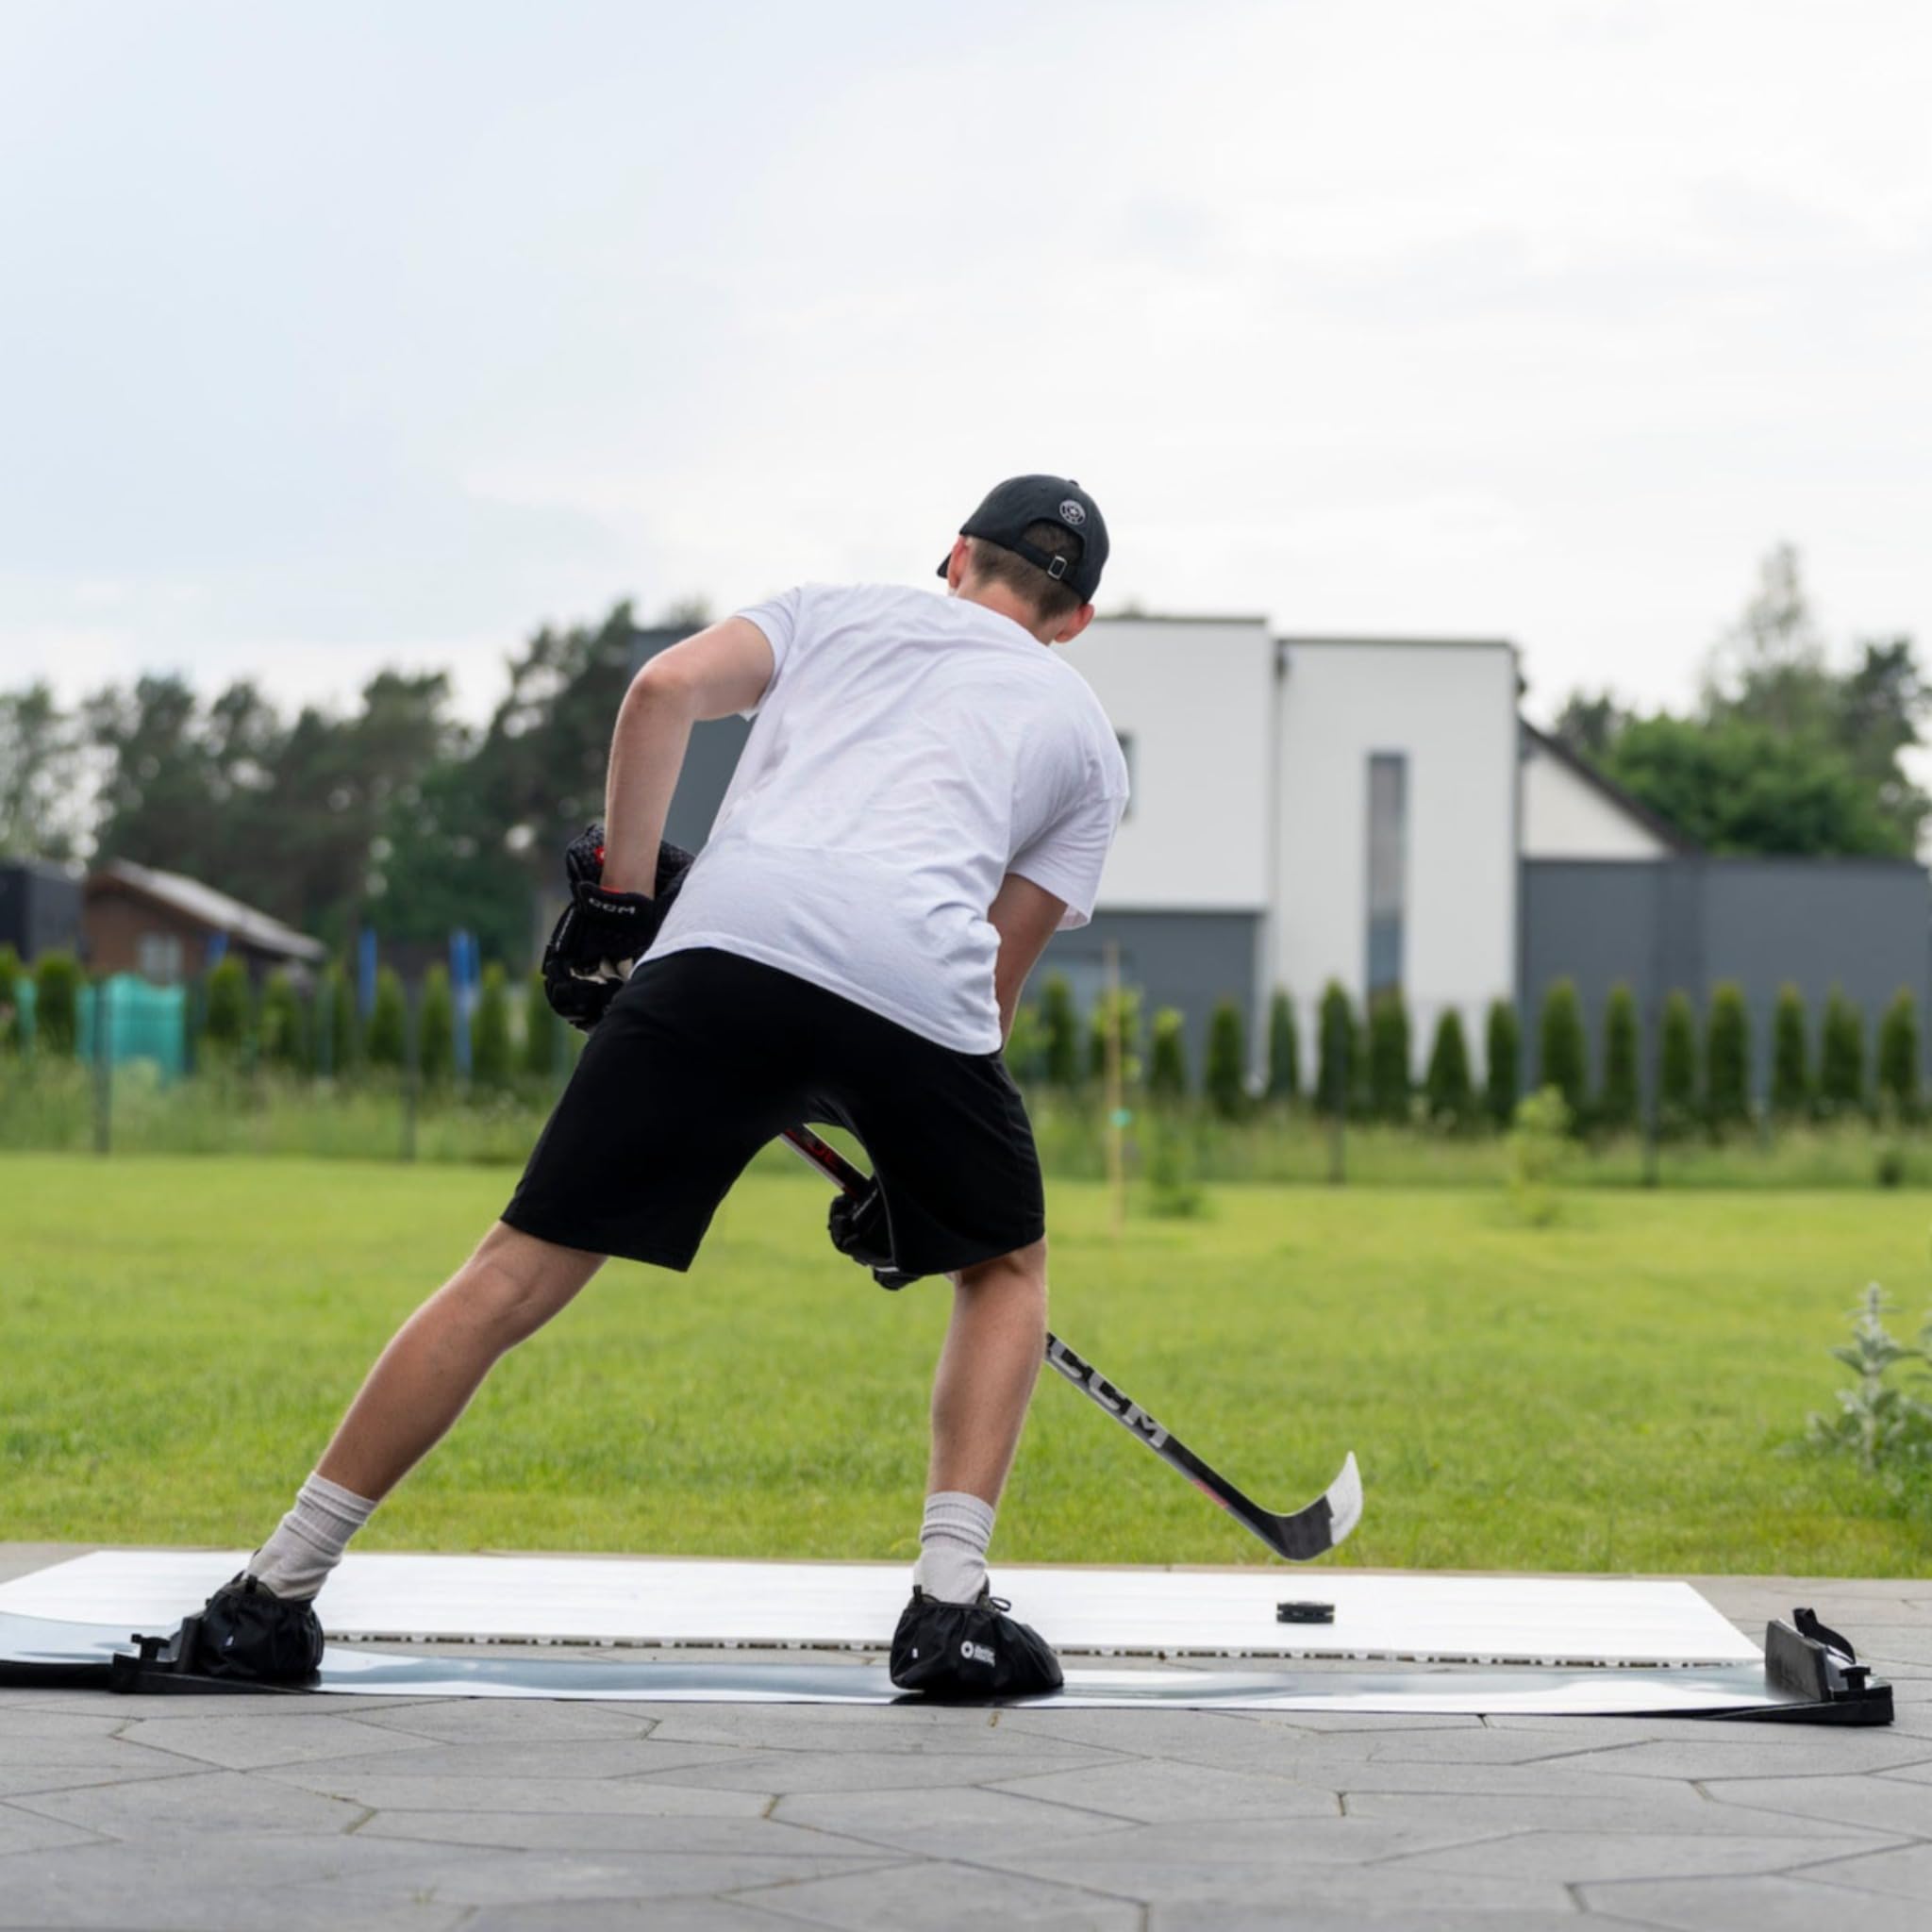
[1863, 925]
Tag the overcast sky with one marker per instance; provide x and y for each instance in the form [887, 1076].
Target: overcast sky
[337, 334]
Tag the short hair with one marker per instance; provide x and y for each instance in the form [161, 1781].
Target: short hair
[1052, 599]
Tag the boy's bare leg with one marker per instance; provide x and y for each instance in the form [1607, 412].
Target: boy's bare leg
[424, 1380]
[986, 1371]
[420, 1384]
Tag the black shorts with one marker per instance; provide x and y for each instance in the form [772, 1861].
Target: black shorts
[704, 1056]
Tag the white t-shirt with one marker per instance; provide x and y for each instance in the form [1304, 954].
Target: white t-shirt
[909, 752]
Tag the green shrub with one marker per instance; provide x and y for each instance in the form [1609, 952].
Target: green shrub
[1334, 1052]
[229, 1019]
[1026, 1047]
[1564, 1053]
[1842, 1054]
[1173, 1188]
[543, 1030]
[1389, 1057]
[1121, 1010]
[1447, 1089]
[1898, 1054]
[387, 1038]
[1060, 1026]
[1167, 1057]
[337, 1036]
[1728, 1057]
[1501, 1062]
[1540, 1156]
[436, 1028]
[9, 997]
[284, 1031]
[491, 1060]
[1617, 1104]
[1224, 1078]
[56, 1004]
[1879, 1421]
[1676, 1076]
[1790, 1060]
[1284, 1049]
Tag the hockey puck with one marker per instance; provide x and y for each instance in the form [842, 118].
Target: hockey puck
[1305, 1613]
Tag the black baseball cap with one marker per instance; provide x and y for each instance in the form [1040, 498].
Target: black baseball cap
[1011, 505]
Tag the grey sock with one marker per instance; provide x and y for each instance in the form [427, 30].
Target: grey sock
[309, 1540]
[952, 1546]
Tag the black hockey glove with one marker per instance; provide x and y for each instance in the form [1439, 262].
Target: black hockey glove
[857, 1226]
[600, 936]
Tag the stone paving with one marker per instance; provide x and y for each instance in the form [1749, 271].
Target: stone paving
[276, 1815]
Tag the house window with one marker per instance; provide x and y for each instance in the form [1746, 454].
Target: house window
[158, 958]
[1125, 740]
[1387, 881]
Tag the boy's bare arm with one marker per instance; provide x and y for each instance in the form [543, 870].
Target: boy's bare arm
[723, 669]
[1025, 916]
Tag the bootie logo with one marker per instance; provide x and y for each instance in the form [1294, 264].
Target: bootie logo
[978, 1653]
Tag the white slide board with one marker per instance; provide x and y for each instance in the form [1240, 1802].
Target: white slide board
[1082, 1612]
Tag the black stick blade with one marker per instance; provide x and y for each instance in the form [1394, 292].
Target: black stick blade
[1328, 1520]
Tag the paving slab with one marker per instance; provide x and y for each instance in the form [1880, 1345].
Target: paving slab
[1147, 1792]
[218, 1804]
[939, 1897]
[1577, 1857]
[1749, 1904]
[244, 1742]
[630, 1915]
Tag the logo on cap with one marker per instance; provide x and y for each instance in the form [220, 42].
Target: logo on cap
[1071, 513]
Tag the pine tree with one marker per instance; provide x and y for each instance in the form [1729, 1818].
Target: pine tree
[11, 977]
[1450, 1095]
[1728, 1057]
[1062, 1030]
[1389, 1057]
[543, 1030]
[1898, 1054]
[1501, 1062]
[1122, 1011]
[56, 1004]
[436, 1028]
[1167, 1057]
[229, 1009]
[1565, 1055]
[1617, 1104]
[1842, 1054]
[387, 1040]
[1791, 1068]
[490, 1048]
[1334, 1052]
[1678, 1063]
[1226, 1078]
[1284, 1049]
[284, 1031]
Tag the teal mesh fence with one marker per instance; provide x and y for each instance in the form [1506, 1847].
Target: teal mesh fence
[143, 1023]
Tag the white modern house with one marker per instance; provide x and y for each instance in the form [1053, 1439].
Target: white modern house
[1311, 808]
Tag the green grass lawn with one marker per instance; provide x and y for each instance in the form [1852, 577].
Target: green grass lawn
[1620, 1391]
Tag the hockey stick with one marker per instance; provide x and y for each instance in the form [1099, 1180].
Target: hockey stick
[1300, 1536]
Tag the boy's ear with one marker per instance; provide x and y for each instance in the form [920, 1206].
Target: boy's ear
[959, 563]
[1074, 624]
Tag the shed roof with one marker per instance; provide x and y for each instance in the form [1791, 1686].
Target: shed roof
[209, 907]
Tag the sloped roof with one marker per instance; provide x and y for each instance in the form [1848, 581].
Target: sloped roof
[210, 908]
[1653, 822]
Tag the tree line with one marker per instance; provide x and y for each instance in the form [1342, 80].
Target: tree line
[1700, 1068]
[1363, 1068]
[393, 814]
[397, 815]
